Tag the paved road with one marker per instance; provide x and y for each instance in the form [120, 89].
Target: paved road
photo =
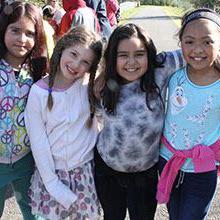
[162, 29]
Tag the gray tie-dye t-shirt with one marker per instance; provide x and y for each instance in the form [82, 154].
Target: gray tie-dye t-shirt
[129, 140]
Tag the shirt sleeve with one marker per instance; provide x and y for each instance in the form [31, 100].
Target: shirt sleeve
[77, 20]
[114, 5]
[41, 150]
[171, 62]
[65, 24]
[103, 20]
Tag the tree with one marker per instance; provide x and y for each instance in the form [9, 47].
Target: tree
[206, 3]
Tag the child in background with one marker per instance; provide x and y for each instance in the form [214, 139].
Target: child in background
[112, 8]
[22, 45]
[77, 13]
[133, 114]
[63, 132]
[58, 11]
[49, 34]
[48, 16]
[191, 139]
[49, 31]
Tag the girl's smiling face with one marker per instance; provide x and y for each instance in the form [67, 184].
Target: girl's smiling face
[132, 60]
[200, 44]
[19, 40]
[75, 62]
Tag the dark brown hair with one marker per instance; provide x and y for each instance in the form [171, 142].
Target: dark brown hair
[109, 73]
[200, 13]
[11, 14]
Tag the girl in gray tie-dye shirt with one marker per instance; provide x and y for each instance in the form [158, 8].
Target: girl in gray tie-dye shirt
[132, 116]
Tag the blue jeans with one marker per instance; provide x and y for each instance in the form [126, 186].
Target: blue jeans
[191, 195]
[119, 191]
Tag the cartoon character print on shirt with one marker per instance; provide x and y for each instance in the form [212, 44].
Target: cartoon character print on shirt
[178, 99]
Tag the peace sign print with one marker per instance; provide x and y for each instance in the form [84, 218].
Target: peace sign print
[16, 149]
[20, 119]
[19, 104]
[6, 138]
[4, 78]
[27, 141]
[10, 89]
[2, 113]
[7, 103]
[24, 90]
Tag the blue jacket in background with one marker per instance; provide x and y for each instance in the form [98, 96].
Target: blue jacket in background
[99, 7]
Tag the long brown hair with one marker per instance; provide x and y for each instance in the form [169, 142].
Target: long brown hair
[11, 14]
[78, 35]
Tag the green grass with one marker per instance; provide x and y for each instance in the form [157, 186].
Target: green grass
[174, 11]
[130, 13]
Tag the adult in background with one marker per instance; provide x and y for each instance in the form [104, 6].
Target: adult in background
[112, 7]
[77, 13]
[48, 14]
[101, 12]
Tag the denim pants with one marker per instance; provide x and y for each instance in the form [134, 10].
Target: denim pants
[191, 195]
[119, 191]
[18, 175]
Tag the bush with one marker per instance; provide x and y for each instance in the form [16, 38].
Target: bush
[37, 2]
[182, 4]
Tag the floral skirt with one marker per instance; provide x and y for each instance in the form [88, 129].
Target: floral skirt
[86, 207]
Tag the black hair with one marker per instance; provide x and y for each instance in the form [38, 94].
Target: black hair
[112, 78]
[200, 13]
[48, 11]
[11, 14]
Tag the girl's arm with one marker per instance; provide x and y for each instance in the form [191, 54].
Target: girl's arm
[172, 61]
[41, 149]
[114, 5]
